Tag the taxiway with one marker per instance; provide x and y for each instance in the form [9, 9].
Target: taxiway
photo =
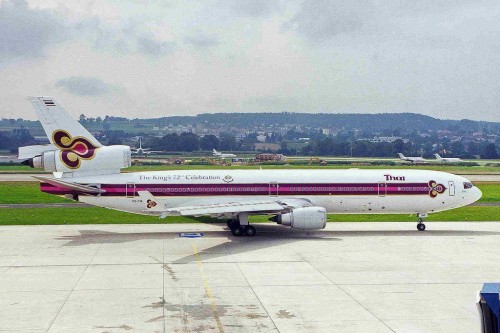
[350, 277]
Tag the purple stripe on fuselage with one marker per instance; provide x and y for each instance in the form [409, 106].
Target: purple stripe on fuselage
[254, 189]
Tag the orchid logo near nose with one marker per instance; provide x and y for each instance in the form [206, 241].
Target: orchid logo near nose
[73, 149]
[435, 188]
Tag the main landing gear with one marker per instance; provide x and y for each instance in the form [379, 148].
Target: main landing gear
[240, 227]
[421, 225]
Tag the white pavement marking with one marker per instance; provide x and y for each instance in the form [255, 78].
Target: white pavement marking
[350, 277]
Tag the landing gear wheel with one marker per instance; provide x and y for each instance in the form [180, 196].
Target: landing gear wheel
[237, 231]
[250, 231]
[421, 226]
[231, 224]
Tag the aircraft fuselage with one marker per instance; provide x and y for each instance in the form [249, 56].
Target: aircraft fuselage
[339, 191]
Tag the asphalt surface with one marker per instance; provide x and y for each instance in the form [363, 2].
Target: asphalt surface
[350, 277]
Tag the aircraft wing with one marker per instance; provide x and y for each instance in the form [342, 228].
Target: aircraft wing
[72, 186]
[224, 207]
[229, 207]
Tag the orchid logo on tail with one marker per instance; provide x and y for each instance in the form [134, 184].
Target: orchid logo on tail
[73, 149]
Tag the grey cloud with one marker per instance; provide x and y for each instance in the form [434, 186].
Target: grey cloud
[27, 33]
[254, 8]
[202, 41]
[127, 39]
[153, 47]
[87, 86]
[324, 19]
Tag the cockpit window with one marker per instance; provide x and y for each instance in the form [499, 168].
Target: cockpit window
[468, 185]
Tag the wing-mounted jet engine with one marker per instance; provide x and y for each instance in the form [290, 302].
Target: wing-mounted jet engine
[306, 218]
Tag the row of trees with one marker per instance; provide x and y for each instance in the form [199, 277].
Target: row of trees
[319, 146]
[337, 147]
[192, 142]
[322, 146]
[11, 140]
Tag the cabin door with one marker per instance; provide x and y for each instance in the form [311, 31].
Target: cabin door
[273, 189]
[382, 189]
[451, 186]
[130, 190]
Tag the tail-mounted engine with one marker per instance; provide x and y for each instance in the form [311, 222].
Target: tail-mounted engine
[307, 218]
[105, 159]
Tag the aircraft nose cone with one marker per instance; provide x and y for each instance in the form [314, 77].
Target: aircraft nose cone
[477, 194]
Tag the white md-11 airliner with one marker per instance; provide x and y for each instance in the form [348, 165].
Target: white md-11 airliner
[89, 172]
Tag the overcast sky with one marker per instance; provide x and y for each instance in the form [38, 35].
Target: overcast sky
[436, 57]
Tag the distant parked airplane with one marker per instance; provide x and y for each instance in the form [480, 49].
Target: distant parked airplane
[412, 159]
[222, 155]
[447, 159]
[143, 151]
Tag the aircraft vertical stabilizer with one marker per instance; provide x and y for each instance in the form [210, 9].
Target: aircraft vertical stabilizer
[54, 118]
[73, 149]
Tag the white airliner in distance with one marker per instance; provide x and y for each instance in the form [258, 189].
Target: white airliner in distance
[144, 151]
[222, 155]
[412, 159]
[447, 159]
[87, 171]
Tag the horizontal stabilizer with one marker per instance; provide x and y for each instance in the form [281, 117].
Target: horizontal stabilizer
[72, 186]
[32, 151]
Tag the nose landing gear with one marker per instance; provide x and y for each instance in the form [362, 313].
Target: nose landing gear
[421, 225]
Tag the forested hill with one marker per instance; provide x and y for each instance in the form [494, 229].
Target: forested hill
[407, 121]
[375, 123]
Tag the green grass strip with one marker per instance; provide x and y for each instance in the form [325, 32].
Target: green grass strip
[26, 193]
[491, 191]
